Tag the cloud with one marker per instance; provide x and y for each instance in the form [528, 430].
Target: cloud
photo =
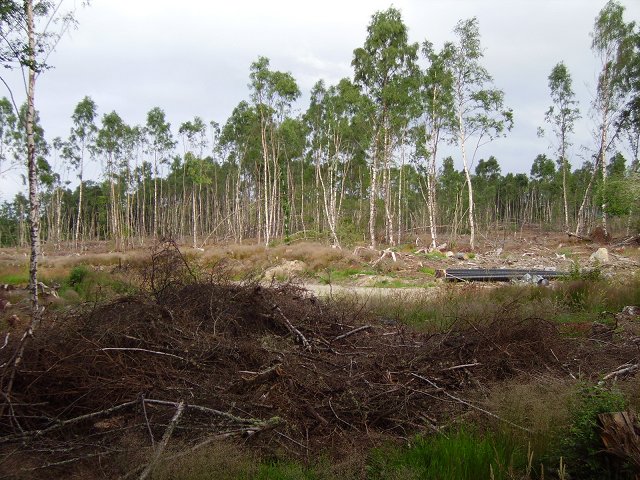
[193, 57]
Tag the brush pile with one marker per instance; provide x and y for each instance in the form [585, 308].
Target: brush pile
[190, 362]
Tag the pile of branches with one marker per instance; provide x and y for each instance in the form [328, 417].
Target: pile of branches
[190, 361]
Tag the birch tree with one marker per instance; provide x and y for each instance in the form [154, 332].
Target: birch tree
[480, 112]
[82, 141]
[437, 120]
[335, 119]
[385, 68]
[272, 93]
[561, 117]
[160, 143]
[612, 43]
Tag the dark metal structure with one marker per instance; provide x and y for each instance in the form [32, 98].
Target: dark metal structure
[495, 274]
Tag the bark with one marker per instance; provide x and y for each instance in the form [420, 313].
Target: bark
[34, 204]
[79, 219]
[467, 176]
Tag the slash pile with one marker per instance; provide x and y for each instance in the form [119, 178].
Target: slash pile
[191, 362]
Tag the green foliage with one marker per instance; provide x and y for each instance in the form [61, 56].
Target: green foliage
[456, 455]
[428, 271]
[582, 447]
[586, 274]
[90, 284]
[435, 255]
[77, 275]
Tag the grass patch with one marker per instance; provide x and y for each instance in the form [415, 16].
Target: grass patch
[428, 271]
[14, 278]
[88, 284]
[435, 255]
[394, 283]
[340, 275]
[573, 305]
[457, 455]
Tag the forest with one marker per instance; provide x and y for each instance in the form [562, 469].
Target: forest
[361, 163]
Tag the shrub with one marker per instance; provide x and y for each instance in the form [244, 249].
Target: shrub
[582, 447]
[77, 275]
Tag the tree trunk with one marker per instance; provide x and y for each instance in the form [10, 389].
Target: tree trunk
[34, 205]
[467, 176]
[79, 219]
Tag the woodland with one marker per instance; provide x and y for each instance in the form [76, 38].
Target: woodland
[361, 163]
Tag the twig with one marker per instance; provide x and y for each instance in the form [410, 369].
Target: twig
[351, 332]
[164, 442]
[562, 365]
[336, 415]
[291, 439]
[66, 462]
[16, 360]
[464, 402]
[146, 419]
[456, 367]
[220, 436]
[6, 340]
[133, 349]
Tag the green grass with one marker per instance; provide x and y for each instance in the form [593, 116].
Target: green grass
[457, 455]
[428, 271]
[14, 278]
[345, 274]
[395, 283]
[435, 255]
[88, 284]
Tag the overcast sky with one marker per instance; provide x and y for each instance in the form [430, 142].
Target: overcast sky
[192, 57]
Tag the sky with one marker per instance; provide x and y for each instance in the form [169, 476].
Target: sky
[192, 58]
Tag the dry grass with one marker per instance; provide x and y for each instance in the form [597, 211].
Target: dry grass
[540, 403]
[221, 460]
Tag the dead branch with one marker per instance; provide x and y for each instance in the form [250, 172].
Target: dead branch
[627, 241]
[219, 413]
[292, 329]
[67, 461]
[626, 368]
[6, 340]
[221, 436]
[385, 253]
[16, 360]
[621, 436]
[351, 332]
[164, 442]
[146, 419]
[580, 237]
[63, 423]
